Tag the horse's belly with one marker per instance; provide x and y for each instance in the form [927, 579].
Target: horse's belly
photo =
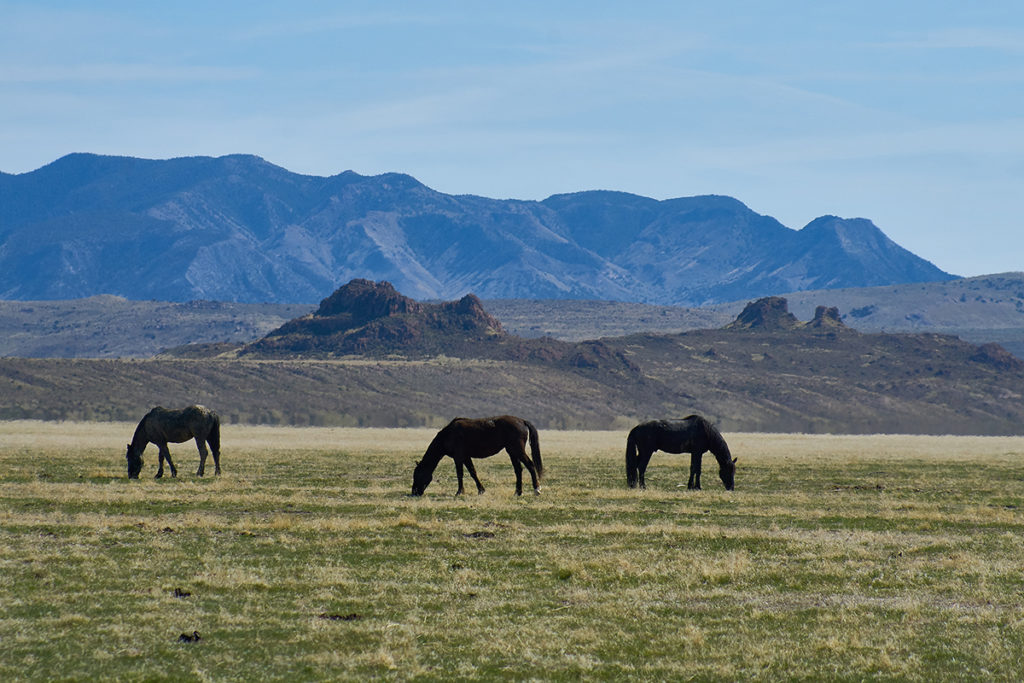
[178, 436]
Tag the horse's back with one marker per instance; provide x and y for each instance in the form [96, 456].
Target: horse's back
[671, 436]
[176, 426]
[488, 435]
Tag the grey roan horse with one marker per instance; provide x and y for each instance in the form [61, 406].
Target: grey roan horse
[693, 435]
[161, 426]
[464, 439]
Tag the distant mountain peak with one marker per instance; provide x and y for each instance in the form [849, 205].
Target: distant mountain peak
[239, 228]
[845, 229]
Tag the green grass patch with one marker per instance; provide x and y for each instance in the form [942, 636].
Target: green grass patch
[307, 560]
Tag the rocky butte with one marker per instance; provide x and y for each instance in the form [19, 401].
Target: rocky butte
[366, 318]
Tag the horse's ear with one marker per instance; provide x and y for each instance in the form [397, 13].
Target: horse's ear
[735, 459]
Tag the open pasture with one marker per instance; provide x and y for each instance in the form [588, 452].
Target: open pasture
[845, 558]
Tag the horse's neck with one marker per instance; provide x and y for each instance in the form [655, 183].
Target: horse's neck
[140, 438]
[434, 454]
[435, 451]
[721, 453]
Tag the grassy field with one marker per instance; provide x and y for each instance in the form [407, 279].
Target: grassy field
[846, 558]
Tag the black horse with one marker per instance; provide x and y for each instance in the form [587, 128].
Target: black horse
[161, 426]
[464, 439]
[693, 435]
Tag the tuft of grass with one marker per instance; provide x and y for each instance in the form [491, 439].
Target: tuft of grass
[836, 557]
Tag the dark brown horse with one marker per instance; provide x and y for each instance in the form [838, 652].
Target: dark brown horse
[693, 435]
[161, 426]
[464, 439]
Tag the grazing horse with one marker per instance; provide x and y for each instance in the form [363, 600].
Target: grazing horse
[693, 435]
[161, 426]
[464, 439]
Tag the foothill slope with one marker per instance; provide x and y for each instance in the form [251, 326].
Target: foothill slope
[371, 356]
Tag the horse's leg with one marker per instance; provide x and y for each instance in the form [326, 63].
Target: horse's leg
[202, 456]
[695, 463]
[523, 458]
[533, 473]
[165, 454]
[518, 466]
[643, 458]
[472, 473]
[215, 448]
[458, 473]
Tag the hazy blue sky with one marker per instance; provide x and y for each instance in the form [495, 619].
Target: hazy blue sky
[907, 113]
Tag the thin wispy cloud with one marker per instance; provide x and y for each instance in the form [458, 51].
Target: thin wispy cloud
[963, 38]
[786, 107]
[149, 73]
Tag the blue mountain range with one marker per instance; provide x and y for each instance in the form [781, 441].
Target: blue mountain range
[237, 228]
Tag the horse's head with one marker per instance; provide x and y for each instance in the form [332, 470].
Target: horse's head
[726, 463]
[134, 458]
[727, 472]
[421, 477]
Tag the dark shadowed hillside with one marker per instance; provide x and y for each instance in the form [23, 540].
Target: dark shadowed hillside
[988, 308]
[369, 355]
[980, 310]
[769, 369]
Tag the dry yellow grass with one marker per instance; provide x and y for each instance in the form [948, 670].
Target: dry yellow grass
[836, 557]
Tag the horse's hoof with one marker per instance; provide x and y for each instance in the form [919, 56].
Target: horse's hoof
[159, 475]
[536, 491]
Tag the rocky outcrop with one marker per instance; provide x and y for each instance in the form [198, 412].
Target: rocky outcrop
[770, 313]
[826, 318]
[997, 357]
[364, 317]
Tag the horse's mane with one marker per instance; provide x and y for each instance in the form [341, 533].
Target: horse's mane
[719, 447]
[139, 438]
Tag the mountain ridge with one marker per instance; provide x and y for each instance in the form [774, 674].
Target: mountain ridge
[239, 228]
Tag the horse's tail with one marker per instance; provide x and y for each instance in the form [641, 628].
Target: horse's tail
[632, 475]
[213, 438]
[535, 449]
